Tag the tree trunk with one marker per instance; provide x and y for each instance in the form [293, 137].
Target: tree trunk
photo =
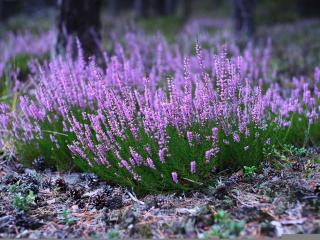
[81, 19]
[187, 8]
[9, 8]
[113, 7]
[141, 8]
[243, 17]
[171, 6]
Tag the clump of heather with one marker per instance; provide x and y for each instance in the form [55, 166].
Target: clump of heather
[136, 126]
[172, 138]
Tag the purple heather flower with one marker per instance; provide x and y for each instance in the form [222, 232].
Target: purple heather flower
[148, 149]
[151, 164]
[215, 132]
[189, 137]
[197, 137]
[226, 142]
[114, 113]
[211, 153]
[193, 167]
[137, 159]
[162, 153]
[236, 137]
[174, 176]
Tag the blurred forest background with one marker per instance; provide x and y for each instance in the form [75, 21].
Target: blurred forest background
[167, 15]
[95, 22]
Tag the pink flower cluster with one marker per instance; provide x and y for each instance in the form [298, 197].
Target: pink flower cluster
[112, 111]
[226, 99]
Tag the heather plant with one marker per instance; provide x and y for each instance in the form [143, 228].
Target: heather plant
[161, 120]
[159, 140]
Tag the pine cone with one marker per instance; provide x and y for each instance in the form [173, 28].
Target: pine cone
[61, 185]
[76, 193]
[99, 200]
[39, 164]
[114, 202]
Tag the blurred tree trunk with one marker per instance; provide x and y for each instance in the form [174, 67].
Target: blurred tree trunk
[146, 8]
[170, 7]
[309, 8]
[243, 17]
[113, 7]
[81, 19]
[187, 8]
[9, 8]
[141, 8]
[1, 11]
[159, 7]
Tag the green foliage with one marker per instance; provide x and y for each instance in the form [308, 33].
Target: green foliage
[20, 62]
[249, 171]
[232, 155]
[65, 218]
[248, 153]
[224, 227]
[22, 203]
[15, 188]
[294, 151]
[113, 234]
[5, 86]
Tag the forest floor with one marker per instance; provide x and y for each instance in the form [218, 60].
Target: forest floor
[281, 198]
